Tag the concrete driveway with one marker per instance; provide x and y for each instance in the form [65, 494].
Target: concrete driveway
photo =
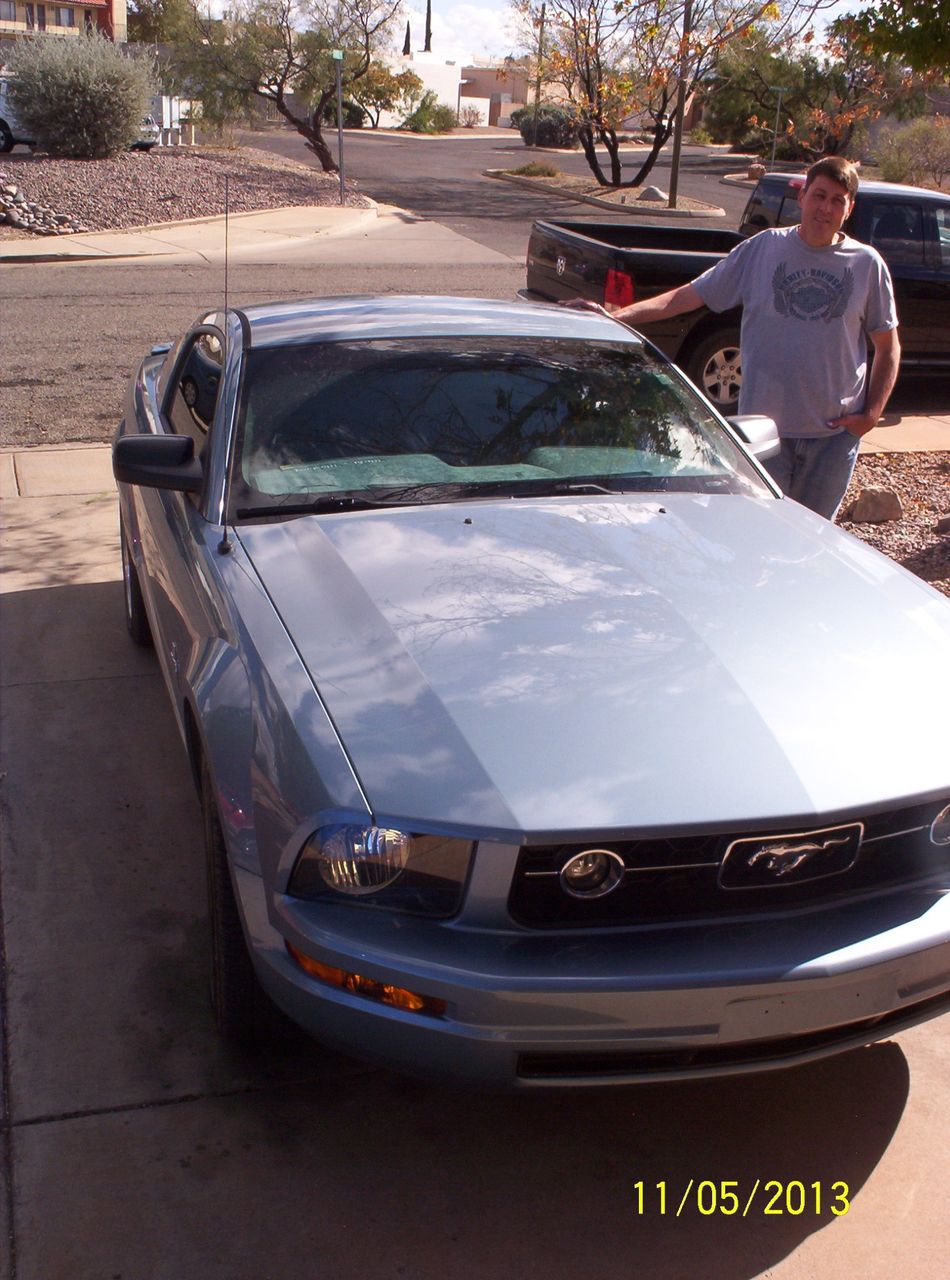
[135, 1145]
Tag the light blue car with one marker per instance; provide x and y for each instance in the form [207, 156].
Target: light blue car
[539, 740]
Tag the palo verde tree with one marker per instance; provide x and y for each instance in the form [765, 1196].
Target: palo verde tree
[617, 58]
[280, 52]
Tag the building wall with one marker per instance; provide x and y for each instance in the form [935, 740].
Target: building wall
[18, 18]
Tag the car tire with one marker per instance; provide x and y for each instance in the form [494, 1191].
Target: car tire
[6, 138]
[715, 367]
[235, 995]
[136, 619]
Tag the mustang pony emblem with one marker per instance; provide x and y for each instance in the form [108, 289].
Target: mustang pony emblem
[782, 858]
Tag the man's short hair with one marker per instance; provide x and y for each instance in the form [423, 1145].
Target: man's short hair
[838, 170]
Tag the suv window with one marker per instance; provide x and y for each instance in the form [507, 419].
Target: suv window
[897, 232]
[191, 410]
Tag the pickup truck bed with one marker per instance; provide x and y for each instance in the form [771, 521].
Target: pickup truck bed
[619, 262]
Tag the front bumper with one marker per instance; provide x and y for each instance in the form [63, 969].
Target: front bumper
[530, 1009]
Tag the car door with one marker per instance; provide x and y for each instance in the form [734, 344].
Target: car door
[176, 538]
[901, 231]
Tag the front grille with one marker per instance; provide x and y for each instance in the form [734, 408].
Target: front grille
[680, 878]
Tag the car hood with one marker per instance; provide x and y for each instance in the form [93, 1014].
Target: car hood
[566, 668]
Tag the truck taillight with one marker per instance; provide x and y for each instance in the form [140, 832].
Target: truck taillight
[618, 289]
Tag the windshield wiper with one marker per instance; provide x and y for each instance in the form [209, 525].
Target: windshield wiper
[353, 500]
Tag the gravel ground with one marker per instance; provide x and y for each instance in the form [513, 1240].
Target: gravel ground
[922, 482]
[168, 184]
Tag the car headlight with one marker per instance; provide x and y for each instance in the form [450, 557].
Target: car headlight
[383, 867]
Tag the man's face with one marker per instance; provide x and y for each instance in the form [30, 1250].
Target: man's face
[825, 206]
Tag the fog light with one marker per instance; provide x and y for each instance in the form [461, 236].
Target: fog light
[592, 874]
[940, 827]
[397, 997]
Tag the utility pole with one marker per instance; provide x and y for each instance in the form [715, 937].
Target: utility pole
[537, 87]
[680, 102]
[337, 56]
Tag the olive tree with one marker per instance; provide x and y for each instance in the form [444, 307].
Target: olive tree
[82, 98]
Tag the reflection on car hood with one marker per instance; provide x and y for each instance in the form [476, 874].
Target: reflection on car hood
[567, 667]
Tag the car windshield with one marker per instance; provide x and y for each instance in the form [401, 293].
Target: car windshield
[337, 425]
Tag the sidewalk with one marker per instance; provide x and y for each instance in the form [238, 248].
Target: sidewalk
[47, 471]
[202, 237]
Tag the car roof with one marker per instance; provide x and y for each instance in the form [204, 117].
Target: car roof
[364, 317]
[870, 186]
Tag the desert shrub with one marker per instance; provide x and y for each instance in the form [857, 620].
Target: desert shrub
[917, 152]
[430, 116]
[470, 116]
[556, 126]
[536, 169]
[83, 98]
[354, 116]
[700, 136]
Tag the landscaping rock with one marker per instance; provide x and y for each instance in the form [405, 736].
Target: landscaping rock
[875, 505]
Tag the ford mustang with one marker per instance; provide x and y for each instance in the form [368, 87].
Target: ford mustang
[539, 739]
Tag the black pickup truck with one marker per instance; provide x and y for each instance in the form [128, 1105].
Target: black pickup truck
[620, 262]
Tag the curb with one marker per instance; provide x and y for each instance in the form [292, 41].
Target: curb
[642, 210]
[60, 253]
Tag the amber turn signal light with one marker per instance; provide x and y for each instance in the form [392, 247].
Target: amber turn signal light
[397, 997]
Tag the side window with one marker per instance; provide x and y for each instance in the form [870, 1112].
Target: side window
[193, 400]
[943, 236]
[897, 232]
[762, 209]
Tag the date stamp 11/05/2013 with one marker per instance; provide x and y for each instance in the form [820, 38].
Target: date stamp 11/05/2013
[727, 1197]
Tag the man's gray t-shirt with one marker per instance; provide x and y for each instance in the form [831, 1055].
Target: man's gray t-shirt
[805, 316]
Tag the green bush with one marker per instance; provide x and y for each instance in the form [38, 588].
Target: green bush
[917, 152]
[536, 169]
[556, 126]
[430, 116]
[354, 116]
[83, 98]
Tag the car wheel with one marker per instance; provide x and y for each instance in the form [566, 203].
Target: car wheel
[235, 995]
[715, 366]
[6, 138]
[136, 619]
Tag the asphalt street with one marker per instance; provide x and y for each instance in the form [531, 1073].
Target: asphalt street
[134, 1145]
[444, 179]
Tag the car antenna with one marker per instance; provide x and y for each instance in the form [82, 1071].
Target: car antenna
[225, 545]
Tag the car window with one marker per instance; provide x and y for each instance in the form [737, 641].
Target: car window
[943, 235]
[763, 208]
[351, 416]
[896, 231]
[193, 401]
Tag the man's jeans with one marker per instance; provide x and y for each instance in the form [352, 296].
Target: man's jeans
[815, 470]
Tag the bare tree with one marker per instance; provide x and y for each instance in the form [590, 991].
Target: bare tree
[616, 58]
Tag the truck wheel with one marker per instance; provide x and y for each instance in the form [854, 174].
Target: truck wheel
[6, 137]
[715, 366]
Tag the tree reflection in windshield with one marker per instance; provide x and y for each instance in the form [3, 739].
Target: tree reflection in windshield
[350, 416]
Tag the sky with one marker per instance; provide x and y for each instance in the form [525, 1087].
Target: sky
[462, 29]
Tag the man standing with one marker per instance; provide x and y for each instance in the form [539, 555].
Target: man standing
[812, 299]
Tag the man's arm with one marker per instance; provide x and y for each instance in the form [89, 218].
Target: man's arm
[887, 354]
[662, 307]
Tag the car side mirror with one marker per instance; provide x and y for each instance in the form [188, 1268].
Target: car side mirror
[158, 462]
[759, 433]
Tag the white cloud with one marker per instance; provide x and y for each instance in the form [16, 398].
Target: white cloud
[460, 30]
